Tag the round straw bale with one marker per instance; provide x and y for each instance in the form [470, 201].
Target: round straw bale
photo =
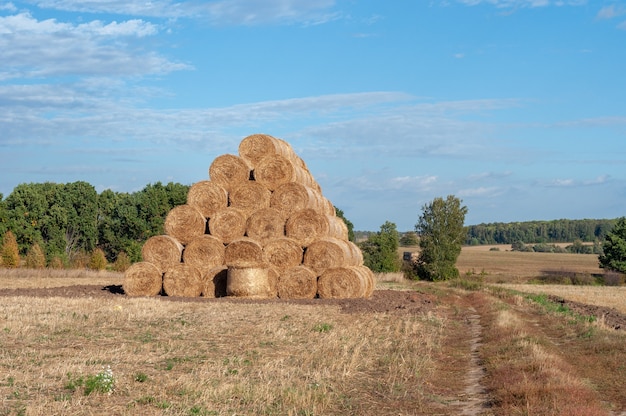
[341, 283]
[273, 171]
[229, 171]
[294, 196]
[272, 279]
[327, 207]
[256, 146]
[283, 253]
[337, 227]
[248, 282]
[369, 280]
[265, 224]
[204, 252]
[249, 197]
[328, 252]
[185, 222]
[298, 282]
[214, 282]
[142, 279]
[182, 280]
[306, 225]
[228, 224]
[243, 252]
[208, 197]
[162, 251]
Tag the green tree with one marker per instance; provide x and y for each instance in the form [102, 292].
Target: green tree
[614, 248]
[97, 260]
[442, 233]
[9, 251]
[409, 239]
[380, 250]
[350, 226]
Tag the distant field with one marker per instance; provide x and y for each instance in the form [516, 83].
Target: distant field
[509, 266]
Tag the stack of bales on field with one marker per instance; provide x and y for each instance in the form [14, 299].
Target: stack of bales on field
[260, 227]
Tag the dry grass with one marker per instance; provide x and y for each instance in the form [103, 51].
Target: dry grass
[177, 358]
[47, 278]
[610, 296]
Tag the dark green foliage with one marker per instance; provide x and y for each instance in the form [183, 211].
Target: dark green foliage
[441, 232]
[70, 219]
[557, 231]
[614, 248]
[409, 239]
[380, 250]
[349, 224]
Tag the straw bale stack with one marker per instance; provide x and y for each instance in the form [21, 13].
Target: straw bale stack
[229, 171]
[328, 252]
[260, 227]
[162, 251]
[294, 196]
[204, 252]
[266, 224]
[306, 226]
[255, 147]
[182, 280]
[248, 282]
[249, 196]
[208, 197]
[298, 282]
[243, 252]
[273, 171]
[283, 253]
[185, 222]
[345, 282]
[214, 282]
[228, 224]
[142, 279]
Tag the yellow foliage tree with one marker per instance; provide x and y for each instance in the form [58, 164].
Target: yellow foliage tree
[10, 252]
[98, 260]
[35, 259]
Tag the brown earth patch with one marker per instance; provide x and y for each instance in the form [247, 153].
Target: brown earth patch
[609, 316]
[396, 301]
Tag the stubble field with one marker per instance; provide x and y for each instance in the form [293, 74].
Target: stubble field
[72, 344]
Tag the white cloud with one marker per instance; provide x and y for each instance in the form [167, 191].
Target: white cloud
[39, 48]
[610, 12]
[524, 3]
[8, 6]
[481, 191]
[219, 12]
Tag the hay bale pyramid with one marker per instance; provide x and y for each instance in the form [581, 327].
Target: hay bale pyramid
[259, 227]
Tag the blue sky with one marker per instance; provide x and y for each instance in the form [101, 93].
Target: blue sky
[518, 107]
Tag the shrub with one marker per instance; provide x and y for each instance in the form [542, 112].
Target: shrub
[122, 262]
[56, 262]
[10, 254]
[35, 259]
[98, 260]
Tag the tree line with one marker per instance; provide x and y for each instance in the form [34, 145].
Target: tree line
[69, 220]
[555, 231]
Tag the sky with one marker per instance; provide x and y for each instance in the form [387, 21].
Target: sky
[516, 107]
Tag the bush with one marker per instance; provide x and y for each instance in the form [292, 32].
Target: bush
[35, 259]
[98, 260]
[122, 262]
[611, 278]
[56, 262]
[10, 254]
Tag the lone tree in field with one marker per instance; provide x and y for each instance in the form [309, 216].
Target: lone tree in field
[614, 247]
[380, 251]
[441, 232]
